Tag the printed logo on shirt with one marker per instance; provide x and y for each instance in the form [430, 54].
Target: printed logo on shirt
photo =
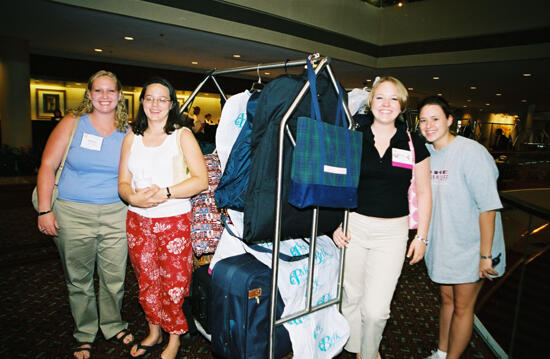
[440, 176]
[240, 120]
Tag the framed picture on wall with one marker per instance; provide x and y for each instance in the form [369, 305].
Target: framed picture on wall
[129, 102]
[47, 101]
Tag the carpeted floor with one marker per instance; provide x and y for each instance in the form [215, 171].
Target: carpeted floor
[37, 323]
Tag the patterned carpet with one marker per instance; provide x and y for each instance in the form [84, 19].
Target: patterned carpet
[37, 322]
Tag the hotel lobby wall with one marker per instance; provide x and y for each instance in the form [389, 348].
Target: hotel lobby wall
[72, 96]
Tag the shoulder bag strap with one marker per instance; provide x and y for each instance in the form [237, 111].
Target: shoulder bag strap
[411, 148]
[60, 168]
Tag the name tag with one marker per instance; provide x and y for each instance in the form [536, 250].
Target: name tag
[401, 158]
[335, 170]
[91, 142]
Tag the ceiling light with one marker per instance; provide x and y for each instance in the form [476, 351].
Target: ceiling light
[236, 56]
[473, 88]
[498, 94]
[523, 100]
[436, 77]
[439, 94]
[410, 88]
[98, 50]
[526, 75]
[129, 38]
[369, 80]
[400, 4]
[464, 105]
[194, 62]
[468, 100]
[487, 104]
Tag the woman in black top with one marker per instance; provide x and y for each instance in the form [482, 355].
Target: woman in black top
[378, 229]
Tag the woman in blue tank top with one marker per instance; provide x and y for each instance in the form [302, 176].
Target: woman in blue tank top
[87, 220]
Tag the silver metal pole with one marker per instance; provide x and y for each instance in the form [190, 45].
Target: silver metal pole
[274, 65]
[197, 89]
[278, 206]
[219, 88]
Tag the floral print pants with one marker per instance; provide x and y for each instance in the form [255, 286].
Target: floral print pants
[161, 255]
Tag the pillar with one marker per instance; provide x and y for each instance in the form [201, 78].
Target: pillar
[15, 113]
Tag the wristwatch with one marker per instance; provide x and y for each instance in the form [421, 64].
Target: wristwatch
[423, 240]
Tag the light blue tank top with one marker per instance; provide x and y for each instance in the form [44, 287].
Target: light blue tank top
[90, 174]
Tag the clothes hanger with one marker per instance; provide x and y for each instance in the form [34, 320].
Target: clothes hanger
[257, 86]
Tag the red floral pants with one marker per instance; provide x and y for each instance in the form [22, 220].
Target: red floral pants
[161, 255]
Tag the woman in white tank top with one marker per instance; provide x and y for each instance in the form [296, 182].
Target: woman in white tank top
[161, 166]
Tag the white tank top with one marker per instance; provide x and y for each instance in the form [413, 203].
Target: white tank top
[156, 164]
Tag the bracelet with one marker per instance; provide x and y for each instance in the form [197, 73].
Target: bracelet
[486, 257]
[45, 212]
[423, 240]
[168, 194]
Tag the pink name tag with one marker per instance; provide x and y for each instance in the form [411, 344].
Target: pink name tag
[401, 158]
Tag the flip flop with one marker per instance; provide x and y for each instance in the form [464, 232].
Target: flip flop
[79, 348]
[146, 348]
[120, 340]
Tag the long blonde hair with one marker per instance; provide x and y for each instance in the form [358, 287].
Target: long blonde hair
[85, 106]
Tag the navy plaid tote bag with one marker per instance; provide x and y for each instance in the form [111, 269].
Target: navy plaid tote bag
[326, 159]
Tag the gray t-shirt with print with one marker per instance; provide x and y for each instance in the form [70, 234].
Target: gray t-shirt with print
[463, 177]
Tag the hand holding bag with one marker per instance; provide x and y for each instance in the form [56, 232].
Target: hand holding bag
[326, 160]
[34, 197]
[413, 202]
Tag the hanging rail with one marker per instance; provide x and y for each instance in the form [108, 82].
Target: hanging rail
[213, 73]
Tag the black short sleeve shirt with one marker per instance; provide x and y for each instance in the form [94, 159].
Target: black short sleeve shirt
[383, 188]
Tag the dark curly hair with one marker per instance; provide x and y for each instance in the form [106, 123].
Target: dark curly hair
[174, 120]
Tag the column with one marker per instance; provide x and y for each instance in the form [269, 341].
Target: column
[15, 115]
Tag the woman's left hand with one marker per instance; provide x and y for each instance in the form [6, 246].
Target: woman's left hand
[416, 251]
[486, 269]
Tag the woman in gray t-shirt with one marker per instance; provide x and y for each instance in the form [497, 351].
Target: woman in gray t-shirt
[466, 242]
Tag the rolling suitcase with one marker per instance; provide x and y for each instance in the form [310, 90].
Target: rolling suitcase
[239, 321]
[201, 296]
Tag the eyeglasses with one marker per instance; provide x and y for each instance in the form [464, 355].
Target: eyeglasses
[159, 100]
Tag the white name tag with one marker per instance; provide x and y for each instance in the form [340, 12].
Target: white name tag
[91, 142]
[401, 158]
[335, 170]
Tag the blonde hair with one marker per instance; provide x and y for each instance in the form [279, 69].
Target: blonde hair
[121, 114]
[402, 92]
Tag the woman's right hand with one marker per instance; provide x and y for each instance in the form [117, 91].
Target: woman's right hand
[339, 238]
[47, 224]
[145, 197]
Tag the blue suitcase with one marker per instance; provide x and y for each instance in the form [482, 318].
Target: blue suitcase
[239, 320]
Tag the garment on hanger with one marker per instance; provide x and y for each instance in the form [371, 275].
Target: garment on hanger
[259, 212]
[231, 122]
[357, 100]
[231, 191]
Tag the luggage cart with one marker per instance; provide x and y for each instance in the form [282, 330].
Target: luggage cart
[323, 63]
